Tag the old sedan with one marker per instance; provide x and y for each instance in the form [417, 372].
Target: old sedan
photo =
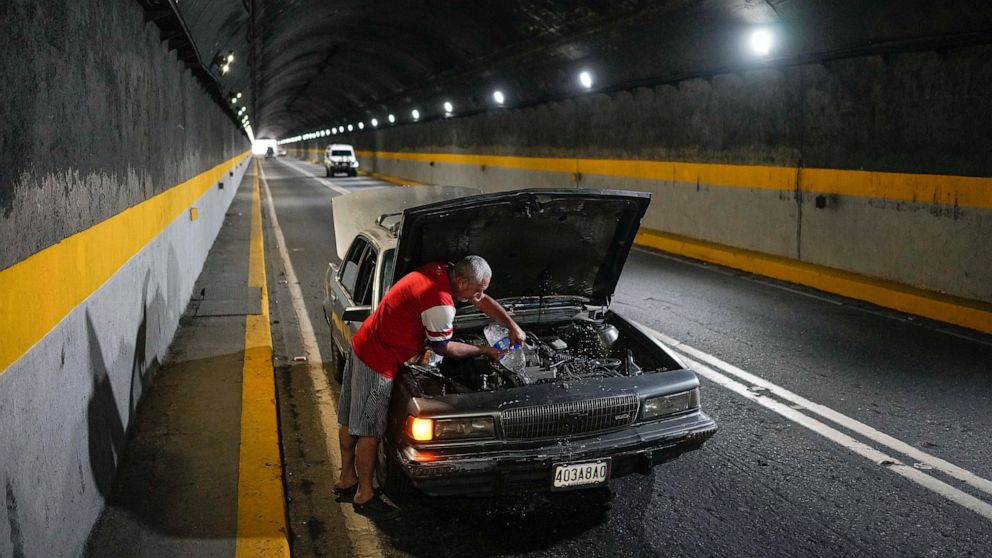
[595, 397]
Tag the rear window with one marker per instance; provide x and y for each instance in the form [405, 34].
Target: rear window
[340, 153]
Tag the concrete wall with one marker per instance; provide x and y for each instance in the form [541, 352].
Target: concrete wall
[914, 113]
[98, 117]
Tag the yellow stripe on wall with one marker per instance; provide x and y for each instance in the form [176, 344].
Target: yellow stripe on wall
[964, 191]
[39, 291]
[262, 528]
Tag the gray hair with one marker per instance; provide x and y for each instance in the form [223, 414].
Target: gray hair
[473, 268]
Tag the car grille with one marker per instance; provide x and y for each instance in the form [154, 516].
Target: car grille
[569, 418]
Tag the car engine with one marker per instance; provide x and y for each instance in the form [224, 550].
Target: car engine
[577, 350]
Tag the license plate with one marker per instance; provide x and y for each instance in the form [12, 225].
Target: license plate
[577, 475]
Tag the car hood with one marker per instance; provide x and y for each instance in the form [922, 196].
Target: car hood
[358, 211]
[538, 242]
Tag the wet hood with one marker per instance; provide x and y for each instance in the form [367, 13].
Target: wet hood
[538, 242]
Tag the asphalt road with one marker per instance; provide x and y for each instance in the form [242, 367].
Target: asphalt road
[768, 483]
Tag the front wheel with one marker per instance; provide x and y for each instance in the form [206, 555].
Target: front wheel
[391, 479]
[352, 173]
[337, 364]
[328, 173]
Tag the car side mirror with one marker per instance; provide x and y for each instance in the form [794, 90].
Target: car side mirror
[356, 314]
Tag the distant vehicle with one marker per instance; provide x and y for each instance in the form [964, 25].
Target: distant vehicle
[339, 157]
[270, 153]
[597, 397]
[281, 152]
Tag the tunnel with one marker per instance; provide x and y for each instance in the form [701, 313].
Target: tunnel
[816, 249]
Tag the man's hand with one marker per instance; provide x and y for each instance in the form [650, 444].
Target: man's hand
[492, 353]
[517, 335]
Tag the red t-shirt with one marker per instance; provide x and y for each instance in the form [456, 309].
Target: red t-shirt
[417, 309]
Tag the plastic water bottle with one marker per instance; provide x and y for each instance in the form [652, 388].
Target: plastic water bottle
[499, 337]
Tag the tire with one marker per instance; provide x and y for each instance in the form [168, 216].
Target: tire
[337, 364]
[328, 172]
[352, 173]
[392, 480]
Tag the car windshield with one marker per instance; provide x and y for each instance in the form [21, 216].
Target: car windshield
[340, 153]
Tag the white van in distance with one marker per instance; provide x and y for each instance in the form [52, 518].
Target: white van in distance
[340, 157]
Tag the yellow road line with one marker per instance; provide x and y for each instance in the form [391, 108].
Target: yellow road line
[261, 500]
[39, 291]
[968, 313]
[963, 191]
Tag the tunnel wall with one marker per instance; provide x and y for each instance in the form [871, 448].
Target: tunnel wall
[107, 145]
[875, 166]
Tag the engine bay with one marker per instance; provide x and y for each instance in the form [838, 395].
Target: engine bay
[576, 350]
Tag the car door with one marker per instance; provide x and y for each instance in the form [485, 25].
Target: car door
[351, 291]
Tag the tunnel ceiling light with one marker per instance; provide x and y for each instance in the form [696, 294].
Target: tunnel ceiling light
[225, 68]
[585, 78]
[415, 114]
[448, 107]
[234, 100]
[230, 57]
[361, 125]
[761, 42]
[327, 132]
[239, 95]
[392, 119]
[350, 127]
[375, 123]
[498, 97]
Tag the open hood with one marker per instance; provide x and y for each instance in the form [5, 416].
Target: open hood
[358, 211]
[538, 242]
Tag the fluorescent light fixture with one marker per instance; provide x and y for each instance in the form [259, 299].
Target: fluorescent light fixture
[361, 125]
[234, 100]
[327, 132]
[374, 123]
[585, 78]
[350, 127]
[761, 42]
[448, 107]
[392, 119]
[415, 114]
[498, 97]
[239, 95]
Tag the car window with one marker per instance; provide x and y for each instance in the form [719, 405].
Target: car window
[349, 268]
[387, 273]
[366, 272]
[340, 153]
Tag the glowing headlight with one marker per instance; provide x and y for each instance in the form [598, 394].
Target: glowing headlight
[655, 407]
[424, 430]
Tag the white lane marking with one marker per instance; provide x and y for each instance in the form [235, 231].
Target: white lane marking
[894, 444]
[363, 535]
[919, 477]
[855, 426]
[305, 172]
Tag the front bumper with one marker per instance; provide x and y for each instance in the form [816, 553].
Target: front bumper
[511, 470]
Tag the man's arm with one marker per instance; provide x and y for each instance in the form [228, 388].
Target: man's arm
[488, 306]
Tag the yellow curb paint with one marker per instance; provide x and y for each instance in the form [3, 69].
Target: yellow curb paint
[972, 314]
[261, 500]
[963, 191]
[39, 291]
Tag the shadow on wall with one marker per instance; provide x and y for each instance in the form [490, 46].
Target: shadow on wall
[103, 420]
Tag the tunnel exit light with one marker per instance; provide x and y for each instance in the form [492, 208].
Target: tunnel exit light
[761, 42]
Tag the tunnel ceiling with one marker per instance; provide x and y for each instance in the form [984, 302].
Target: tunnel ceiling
[303, 65]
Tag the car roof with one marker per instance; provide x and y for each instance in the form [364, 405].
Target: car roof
[383, 237]
[340, 146]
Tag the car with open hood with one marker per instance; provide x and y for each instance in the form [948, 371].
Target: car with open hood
[596, 397]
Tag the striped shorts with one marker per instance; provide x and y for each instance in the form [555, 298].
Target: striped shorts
[364, 401]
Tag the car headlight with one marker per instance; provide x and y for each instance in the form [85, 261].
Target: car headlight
[425, 429]
[655, 407]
